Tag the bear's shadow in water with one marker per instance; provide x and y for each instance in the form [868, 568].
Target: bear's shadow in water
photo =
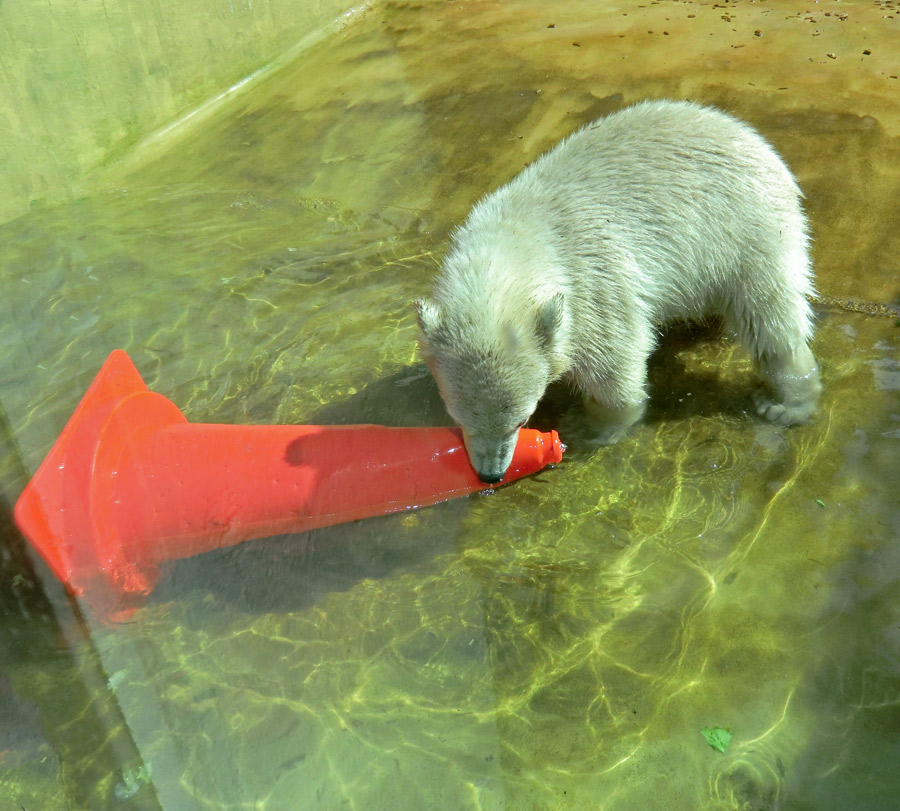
[676, 391]
[293, 572]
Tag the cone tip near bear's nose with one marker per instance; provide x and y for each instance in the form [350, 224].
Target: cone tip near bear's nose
[534, 451]
[555, 449]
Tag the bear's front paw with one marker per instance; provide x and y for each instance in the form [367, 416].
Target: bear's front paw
[608, 435]
[611, 425]
[783, 414]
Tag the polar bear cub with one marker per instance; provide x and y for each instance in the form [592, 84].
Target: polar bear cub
[662, 211]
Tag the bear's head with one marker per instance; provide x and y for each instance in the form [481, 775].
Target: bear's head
[492, 371]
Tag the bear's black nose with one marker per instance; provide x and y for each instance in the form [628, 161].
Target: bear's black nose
[490, 478]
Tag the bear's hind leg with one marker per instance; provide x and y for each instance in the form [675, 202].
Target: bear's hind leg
[794, 378]
[773, 317]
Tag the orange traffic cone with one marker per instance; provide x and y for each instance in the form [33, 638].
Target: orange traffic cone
[130, 483]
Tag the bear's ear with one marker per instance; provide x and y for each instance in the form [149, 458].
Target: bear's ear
[428, 315]
[550, 319]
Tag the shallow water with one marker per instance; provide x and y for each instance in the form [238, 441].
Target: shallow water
[560, 643]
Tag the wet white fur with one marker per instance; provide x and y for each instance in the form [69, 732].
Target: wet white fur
[662, 211]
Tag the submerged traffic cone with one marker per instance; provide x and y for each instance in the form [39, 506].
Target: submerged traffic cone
[130, 483]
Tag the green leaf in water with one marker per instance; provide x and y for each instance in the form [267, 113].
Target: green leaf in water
[132, 780]
[820, 502]
[717, 737]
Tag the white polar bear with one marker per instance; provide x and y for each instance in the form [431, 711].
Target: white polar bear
[662, 211]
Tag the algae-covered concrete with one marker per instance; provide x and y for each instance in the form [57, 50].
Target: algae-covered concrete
[561, 643]
[82, 81]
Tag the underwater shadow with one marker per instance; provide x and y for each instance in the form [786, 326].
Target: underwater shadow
[293, 572]
[678, 392]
